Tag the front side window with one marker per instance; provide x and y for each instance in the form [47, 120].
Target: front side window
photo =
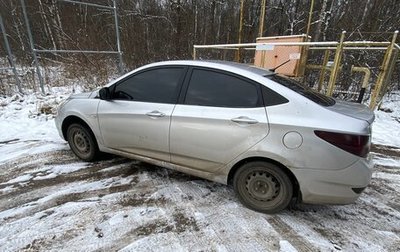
[209, 88]
[157, 85]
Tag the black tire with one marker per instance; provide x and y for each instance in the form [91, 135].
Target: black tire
[82, 142]
[263, 187]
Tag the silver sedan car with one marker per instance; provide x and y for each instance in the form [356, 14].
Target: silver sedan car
[270, 137]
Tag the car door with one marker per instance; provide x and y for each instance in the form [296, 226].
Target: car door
[137, 118]
[220, 117]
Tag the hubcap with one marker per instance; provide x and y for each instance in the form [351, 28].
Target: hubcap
[81, 141]
[262, 186]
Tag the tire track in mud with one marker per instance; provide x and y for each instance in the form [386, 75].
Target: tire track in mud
[289, 234]
[15, 167]
[386, 153]
[385, 150]
[174, 223]
[65, 198]
[27, 193]
[380, 189]
[138, 194]
[316, 218]
[375, 213]
[91, 172]
[177, 206]
[19, 149]
[176, 218]
[383, 188]
[88, 175]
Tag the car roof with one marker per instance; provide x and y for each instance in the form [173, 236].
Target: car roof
[219, 64]
[234, 67]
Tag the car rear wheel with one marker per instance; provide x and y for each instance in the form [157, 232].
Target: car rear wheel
[82, 142]
[263, 187]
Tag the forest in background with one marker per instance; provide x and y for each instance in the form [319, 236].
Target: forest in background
[154, 30]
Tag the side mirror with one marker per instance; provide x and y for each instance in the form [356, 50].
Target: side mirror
[105, 93]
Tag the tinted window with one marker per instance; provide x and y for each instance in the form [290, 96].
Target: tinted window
[157, 85]
[208, 88]
[303, 90]
[272, 98]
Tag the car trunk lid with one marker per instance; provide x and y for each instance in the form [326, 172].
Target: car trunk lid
[355, 110]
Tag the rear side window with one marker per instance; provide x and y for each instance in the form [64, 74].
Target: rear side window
[209, 88]
[157, 85]
[303, 90]
[272, 98]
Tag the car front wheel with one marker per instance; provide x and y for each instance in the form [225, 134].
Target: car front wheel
[263, 187]
[82, 142]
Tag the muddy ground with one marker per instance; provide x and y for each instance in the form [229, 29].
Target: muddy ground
[50, 200]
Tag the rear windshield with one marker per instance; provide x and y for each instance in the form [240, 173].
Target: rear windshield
[303, 90]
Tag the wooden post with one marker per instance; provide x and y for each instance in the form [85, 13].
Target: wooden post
[336, 65]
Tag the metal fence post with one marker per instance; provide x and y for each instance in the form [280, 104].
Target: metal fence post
[323, 70]
[28, 28]
[383, 73]
[262, 18]
[120, 67]
[367, 75]
[310, 18]
[238, 55]
[194, 53]
[336, 65]
[10, 56]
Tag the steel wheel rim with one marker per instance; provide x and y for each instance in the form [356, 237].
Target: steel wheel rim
[81, 141]
[262, 186]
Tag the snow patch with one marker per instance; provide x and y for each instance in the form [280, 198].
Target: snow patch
[285, 246]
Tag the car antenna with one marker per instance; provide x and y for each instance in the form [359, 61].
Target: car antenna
[273, 69]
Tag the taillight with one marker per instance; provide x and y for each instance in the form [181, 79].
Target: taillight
[356, 144]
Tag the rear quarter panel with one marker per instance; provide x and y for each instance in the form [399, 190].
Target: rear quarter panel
[303, 116]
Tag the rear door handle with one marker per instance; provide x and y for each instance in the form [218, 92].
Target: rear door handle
[244, 120]
[155, 113]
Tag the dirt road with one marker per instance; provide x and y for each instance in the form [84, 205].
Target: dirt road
[49, 200]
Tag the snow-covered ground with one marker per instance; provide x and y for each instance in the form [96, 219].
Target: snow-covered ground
[49, 200]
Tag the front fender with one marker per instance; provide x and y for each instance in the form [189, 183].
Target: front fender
[85, 110]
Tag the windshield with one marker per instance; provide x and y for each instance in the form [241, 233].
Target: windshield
[303, 90]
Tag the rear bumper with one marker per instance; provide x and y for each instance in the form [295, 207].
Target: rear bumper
[334, 186]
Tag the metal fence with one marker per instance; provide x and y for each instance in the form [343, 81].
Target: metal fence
[389, 49]
[35, 51]
[10, 57]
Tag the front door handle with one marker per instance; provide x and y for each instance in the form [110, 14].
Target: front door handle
[244, 120]
[155, 113]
